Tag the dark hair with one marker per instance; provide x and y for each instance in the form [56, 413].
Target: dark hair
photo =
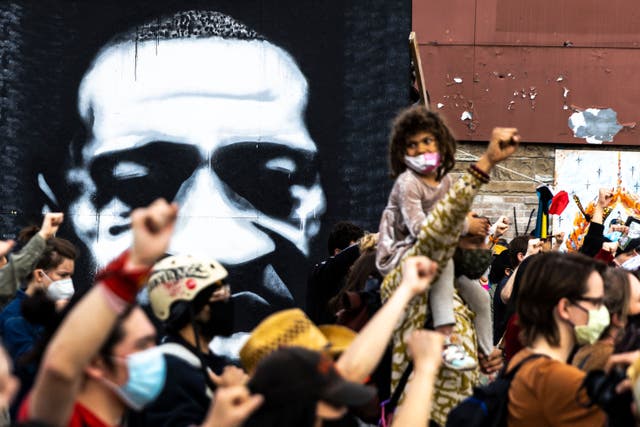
[342, 234]
[361, 270]
[629, 338]
[55, 252]
[498, 265]
[515, 290]
[181, 310]
[518, 245]
[297, 413]
[291, 381]
[27, 233]
[190, 24]
[548, 278]
[616, 293]
[418, 119]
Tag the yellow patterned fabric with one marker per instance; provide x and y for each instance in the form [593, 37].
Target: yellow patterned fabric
[437, 240]
[451, 387]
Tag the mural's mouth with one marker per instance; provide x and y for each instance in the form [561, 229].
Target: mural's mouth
[254, 309]
[267, 284]
[267, 295]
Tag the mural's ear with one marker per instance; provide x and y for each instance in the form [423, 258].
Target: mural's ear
[51, 202]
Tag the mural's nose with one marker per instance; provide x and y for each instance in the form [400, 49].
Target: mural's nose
[210, 225]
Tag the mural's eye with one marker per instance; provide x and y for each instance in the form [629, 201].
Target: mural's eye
[263, 174]
[140, 175]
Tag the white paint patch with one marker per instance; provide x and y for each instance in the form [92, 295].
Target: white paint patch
[42, 183]
[466, 115]
[457, 80]
[595, 125]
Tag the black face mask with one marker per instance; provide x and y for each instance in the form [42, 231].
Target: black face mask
[220, 322]
[471, 262]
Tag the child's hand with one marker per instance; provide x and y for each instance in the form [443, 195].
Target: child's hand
[503, 143]
[417, 274]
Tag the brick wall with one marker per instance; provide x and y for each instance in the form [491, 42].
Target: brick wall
[507, 189]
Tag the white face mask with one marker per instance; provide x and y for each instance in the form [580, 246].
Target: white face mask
[60, 289]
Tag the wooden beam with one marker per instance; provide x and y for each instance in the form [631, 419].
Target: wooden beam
[417, 69]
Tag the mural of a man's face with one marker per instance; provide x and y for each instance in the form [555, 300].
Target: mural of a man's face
[215, 124]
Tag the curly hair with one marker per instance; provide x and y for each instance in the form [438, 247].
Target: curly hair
[419, 119]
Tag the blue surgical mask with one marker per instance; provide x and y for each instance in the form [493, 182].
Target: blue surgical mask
[147, 371]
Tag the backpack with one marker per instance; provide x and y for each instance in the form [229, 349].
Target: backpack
[488, 406]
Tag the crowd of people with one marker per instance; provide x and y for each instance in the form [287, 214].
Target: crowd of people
[399, 325]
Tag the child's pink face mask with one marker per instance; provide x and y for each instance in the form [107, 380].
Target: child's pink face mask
[424, 164]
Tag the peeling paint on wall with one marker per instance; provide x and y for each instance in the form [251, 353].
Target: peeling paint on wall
[595, 125]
